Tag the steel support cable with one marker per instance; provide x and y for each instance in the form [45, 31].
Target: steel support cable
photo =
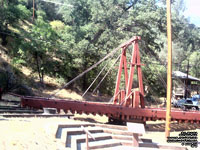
[57, 3]
[149, 84]
[112, 98]
[95, 80]
[183, 84]
[106, 73]
[162, 80]
[125, 44]
[160, 77]
[146, 82]
[153, 93]
[125, 98]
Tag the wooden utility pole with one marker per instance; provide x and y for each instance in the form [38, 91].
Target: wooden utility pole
[33, 10]
[186, 81]
[169, 70]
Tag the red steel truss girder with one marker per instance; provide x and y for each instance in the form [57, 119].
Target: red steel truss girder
[111, 110]
[121, 64]
[135, 62]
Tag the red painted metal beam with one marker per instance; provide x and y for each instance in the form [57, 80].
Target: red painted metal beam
[129, 99]
[119, 76]
[140, 80]
[111, 110]
[131, 74]
[126, 102]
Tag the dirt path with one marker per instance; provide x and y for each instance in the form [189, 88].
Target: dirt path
[39, 133]
[30, 133]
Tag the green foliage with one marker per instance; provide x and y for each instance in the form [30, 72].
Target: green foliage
[66, 39]
[10, 14]
[195, 64]
[37, 49]
[99, 26]
[57, 25]
[24, 12]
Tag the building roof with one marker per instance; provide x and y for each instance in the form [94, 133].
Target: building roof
[181, 75]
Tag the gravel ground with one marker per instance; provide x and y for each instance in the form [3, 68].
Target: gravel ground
[39, 133]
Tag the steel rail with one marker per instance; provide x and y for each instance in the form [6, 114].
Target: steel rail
[111, 110]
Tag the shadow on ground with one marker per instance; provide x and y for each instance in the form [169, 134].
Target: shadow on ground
[160, 127]
[86, 119]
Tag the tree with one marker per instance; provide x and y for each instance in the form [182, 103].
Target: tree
[39, 47]
[10, 13]
[195, 63]
[97, 28]
[77, 34]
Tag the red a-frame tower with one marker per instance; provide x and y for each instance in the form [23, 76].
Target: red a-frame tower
[129, 97]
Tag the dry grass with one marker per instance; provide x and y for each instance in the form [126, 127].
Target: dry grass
[65, 94]
[30, 133]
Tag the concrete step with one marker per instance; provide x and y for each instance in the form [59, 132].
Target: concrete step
[106, 136]
[128, 148]
[77, 140]
[122, 137]
[100, 144]
[143, 146]
[108, 126]
[77, 125]
[112, 129]
[117, 132]
[130, 138]
[68, 133]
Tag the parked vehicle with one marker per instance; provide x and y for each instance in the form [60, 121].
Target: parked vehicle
[195, 97]
[191, 104]
[179, 103]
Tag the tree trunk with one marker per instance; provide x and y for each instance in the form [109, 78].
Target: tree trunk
[38, 68]
[84, 86]
[42, 77]
[1, 93]
[4, 41]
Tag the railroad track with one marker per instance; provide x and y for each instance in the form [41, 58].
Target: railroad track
[36, 115]
[113, 111]
[12, 108]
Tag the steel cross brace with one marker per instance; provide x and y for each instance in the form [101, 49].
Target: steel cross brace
[128, 97]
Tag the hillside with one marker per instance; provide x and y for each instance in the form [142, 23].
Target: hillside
[48, 48]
